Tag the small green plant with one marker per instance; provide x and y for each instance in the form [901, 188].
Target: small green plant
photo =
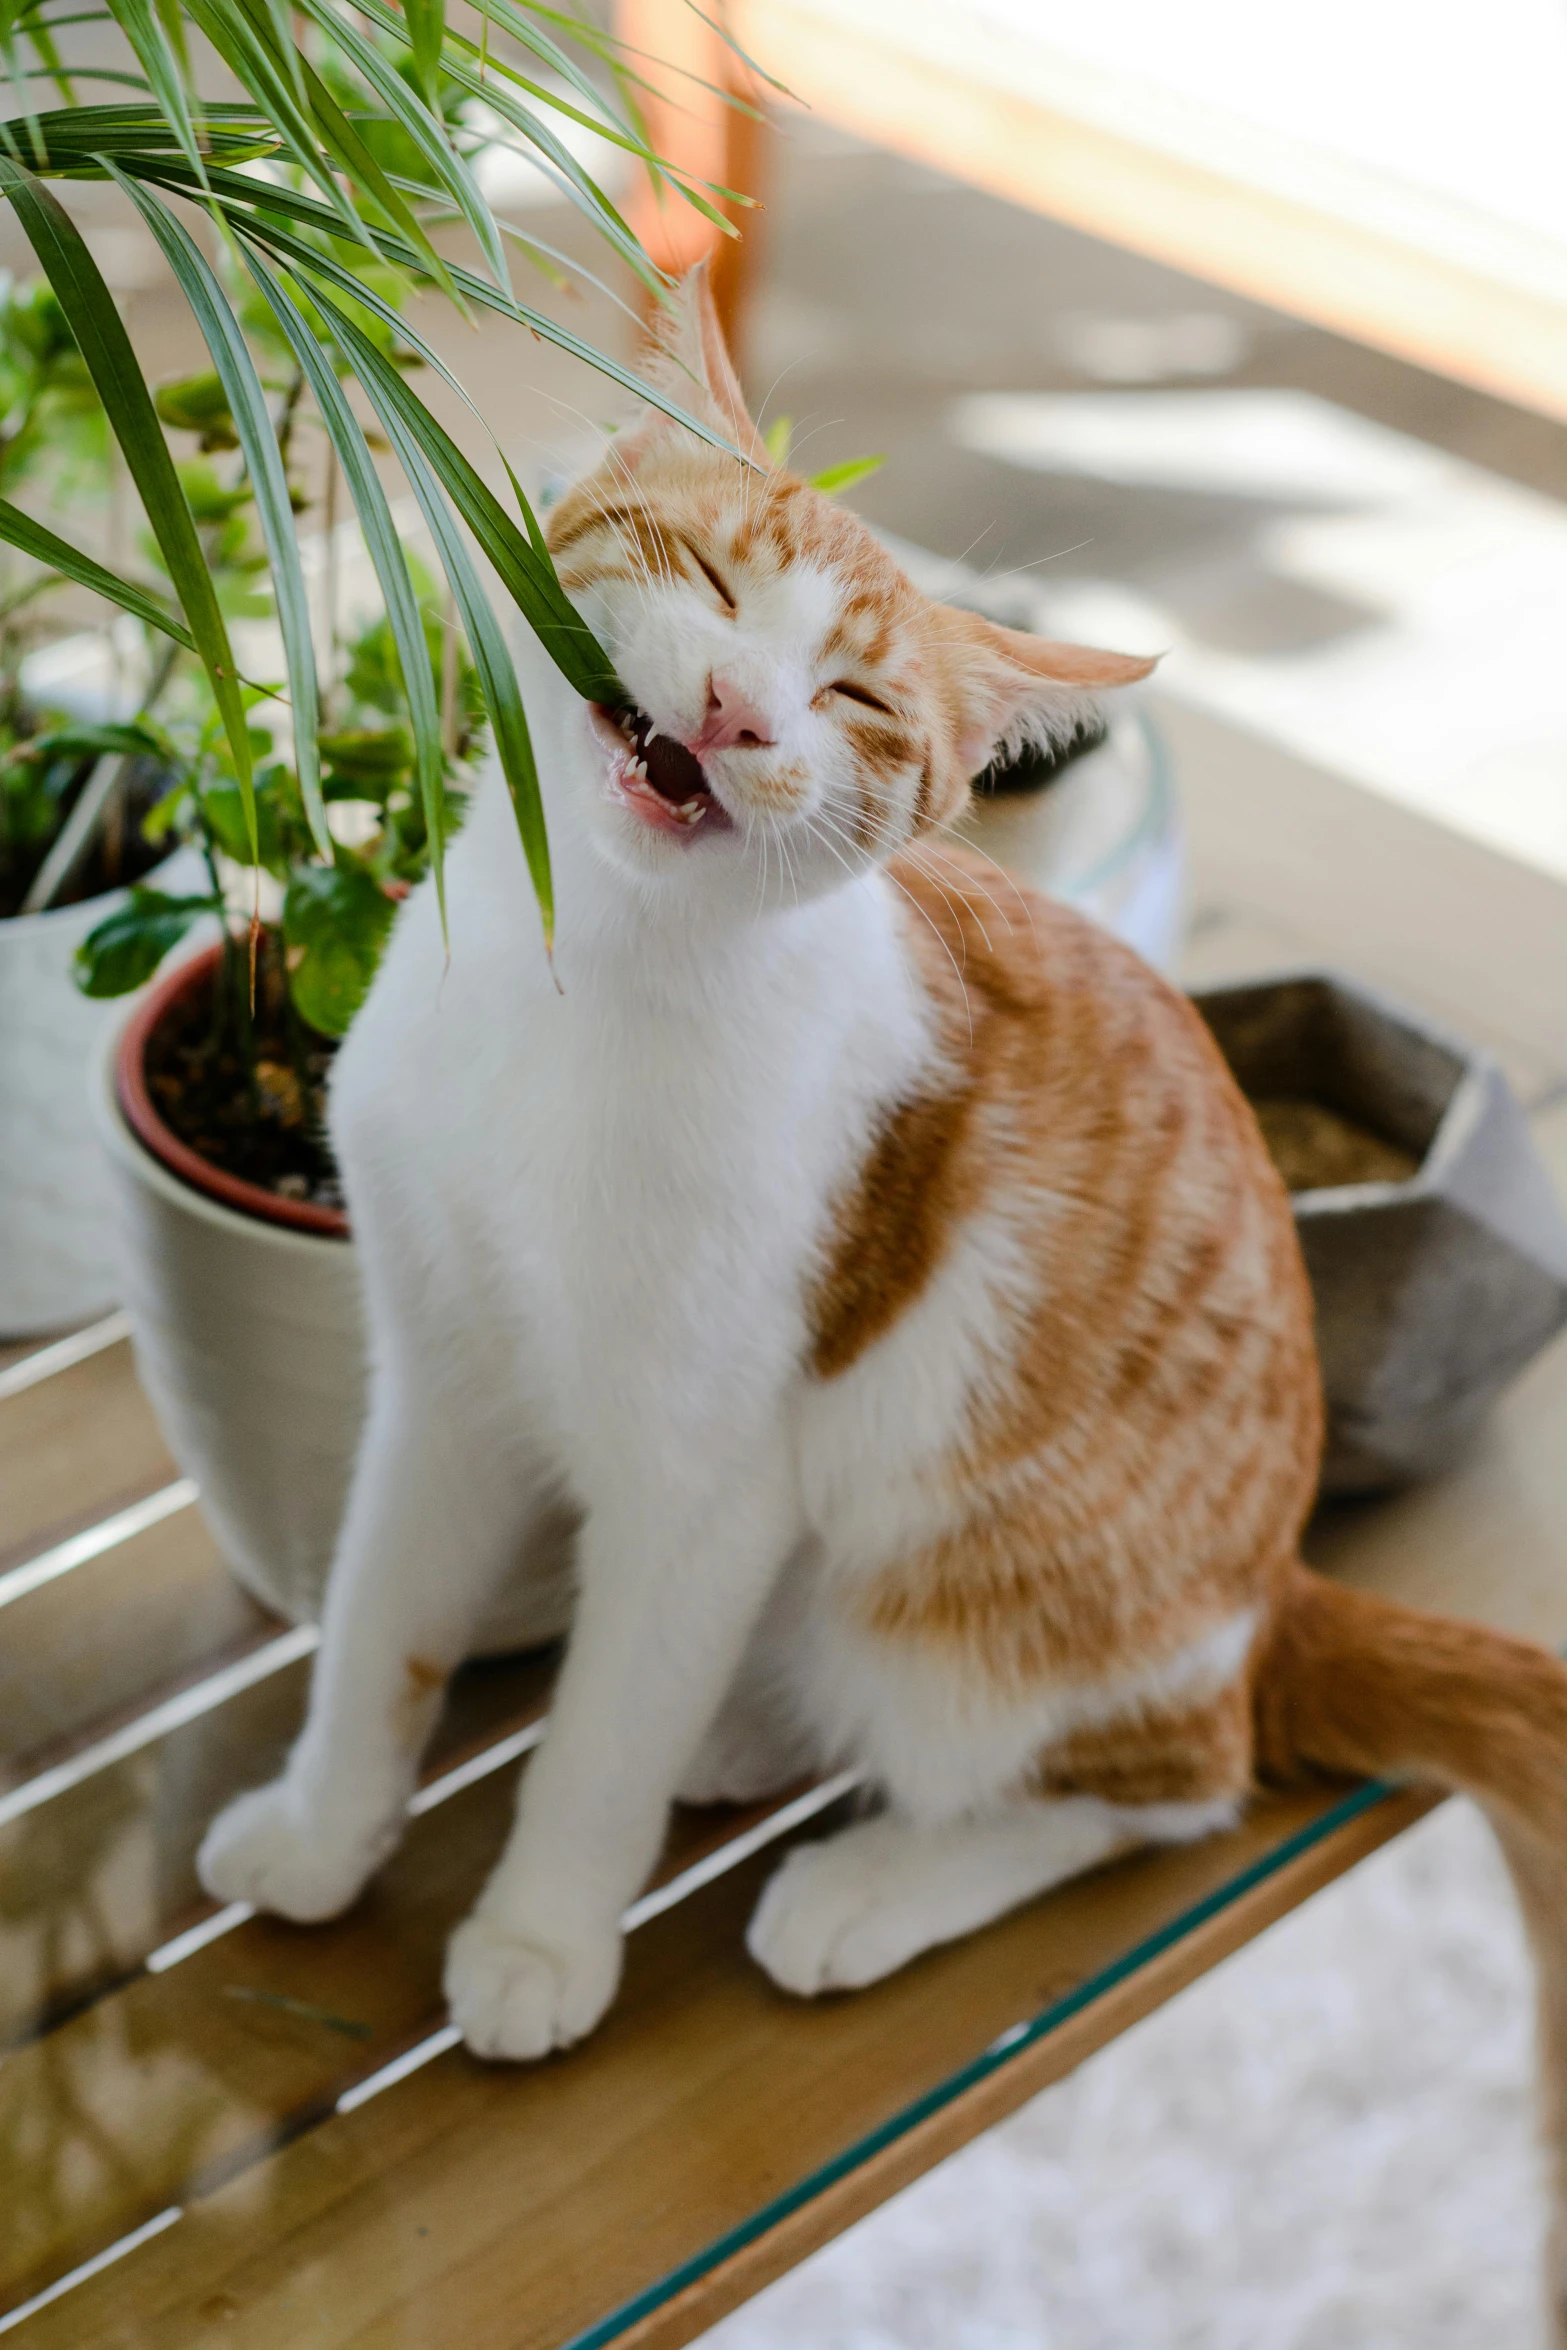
[240, 1073]
[330, 917]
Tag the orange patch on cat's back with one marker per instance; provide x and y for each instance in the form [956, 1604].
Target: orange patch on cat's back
[1144, 1456]
[930, 1164]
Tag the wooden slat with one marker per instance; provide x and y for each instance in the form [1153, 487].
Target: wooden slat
[72, 1449]
[509, 2209]
[186, 2076]
[724, 2283]
[103, 1874]
[115, 1632]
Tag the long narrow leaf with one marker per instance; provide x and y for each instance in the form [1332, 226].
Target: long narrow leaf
[245, 46]
[427, 131]
[73, 136]
[591, 198]
[40, 39]
[426, 33]
[526, 32]
[356, 159]
[32, 537]
[268, 480]
[385, 551]
[149, 42]
[521, 564]
[100, 334]
[254, 207]
[461, 48]
[497, 677]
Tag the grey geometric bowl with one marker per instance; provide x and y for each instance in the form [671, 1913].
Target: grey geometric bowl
[1432, 1233]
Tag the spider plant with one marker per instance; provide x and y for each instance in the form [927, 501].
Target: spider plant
[309, 204]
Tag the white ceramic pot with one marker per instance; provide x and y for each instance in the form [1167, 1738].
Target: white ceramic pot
[250, 1344]
[56, 1247]
[1105, 836]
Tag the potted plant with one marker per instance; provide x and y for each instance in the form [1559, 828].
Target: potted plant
[355, 139]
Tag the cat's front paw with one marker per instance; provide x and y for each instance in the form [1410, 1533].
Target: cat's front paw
[517, 1994]
[268, 1849]
[830, 1921]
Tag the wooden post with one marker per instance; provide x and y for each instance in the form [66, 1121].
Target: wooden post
[689, 123]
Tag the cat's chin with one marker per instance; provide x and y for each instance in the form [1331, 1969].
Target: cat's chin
[658, 783]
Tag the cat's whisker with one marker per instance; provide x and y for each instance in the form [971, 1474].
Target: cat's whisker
[1022, 896]
[924, 858]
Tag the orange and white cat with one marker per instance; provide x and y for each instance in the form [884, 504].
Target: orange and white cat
[881, 1262]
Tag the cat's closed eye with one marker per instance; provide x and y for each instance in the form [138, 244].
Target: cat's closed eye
[858, 693]
[712, 577]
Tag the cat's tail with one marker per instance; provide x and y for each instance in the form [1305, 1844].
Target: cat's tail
[1353, 1684]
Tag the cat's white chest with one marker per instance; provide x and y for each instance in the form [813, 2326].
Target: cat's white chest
[620, 1188]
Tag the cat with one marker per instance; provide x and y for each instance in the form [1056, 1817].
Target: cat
[883, 1264]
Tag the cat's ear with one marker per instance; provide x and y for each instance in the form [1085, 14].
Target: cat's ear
[691, 363]
[1018, 688]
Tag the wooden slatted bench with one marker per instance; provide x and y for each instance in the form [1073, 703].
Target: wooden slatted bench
[217, 2127]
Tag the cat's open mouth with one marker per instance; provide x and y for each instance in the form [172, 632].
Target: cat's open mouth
[655, 777]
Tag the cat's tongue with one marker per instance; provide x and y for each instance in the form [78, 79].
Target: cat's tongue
[674, 772]
[658, 779]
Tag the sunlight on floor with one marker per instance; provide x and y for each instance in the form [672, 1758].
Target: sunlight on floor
[1427, 662]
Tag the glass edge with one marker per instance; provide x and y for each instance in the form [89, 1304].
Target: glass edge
[1001, 2052]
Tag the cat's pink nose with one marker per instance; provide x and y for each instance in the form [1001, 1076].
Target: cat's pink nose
[732, 722]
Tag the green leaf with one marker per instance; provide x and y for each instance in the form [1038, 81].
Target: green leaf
[840, 477]
[335, 921]
[74, 137]
[20, 530]
[83, 742]
[777, 437]
[357, 160]
[244, 38]
[497, 677]
[591, 198]
[426, 33]
[225, 815]
[522, 564]
[129, 944]
[254, 208]
[382, 544]
[369, 758]
[198, 404]
[167, 76]
[95, 321]
[427, 131]
[247, 409]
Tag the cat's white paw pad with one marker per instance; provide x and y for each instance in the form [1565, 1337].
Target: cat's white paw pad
[515, 1995]
[827, 1922]
[266, 1850]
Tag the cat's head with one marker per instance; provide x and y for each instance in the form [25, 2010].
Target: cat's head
[798, 708]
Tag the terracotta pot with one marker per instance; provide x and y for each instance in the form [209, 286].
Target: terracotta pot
[168, 994]
[247, 1320]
